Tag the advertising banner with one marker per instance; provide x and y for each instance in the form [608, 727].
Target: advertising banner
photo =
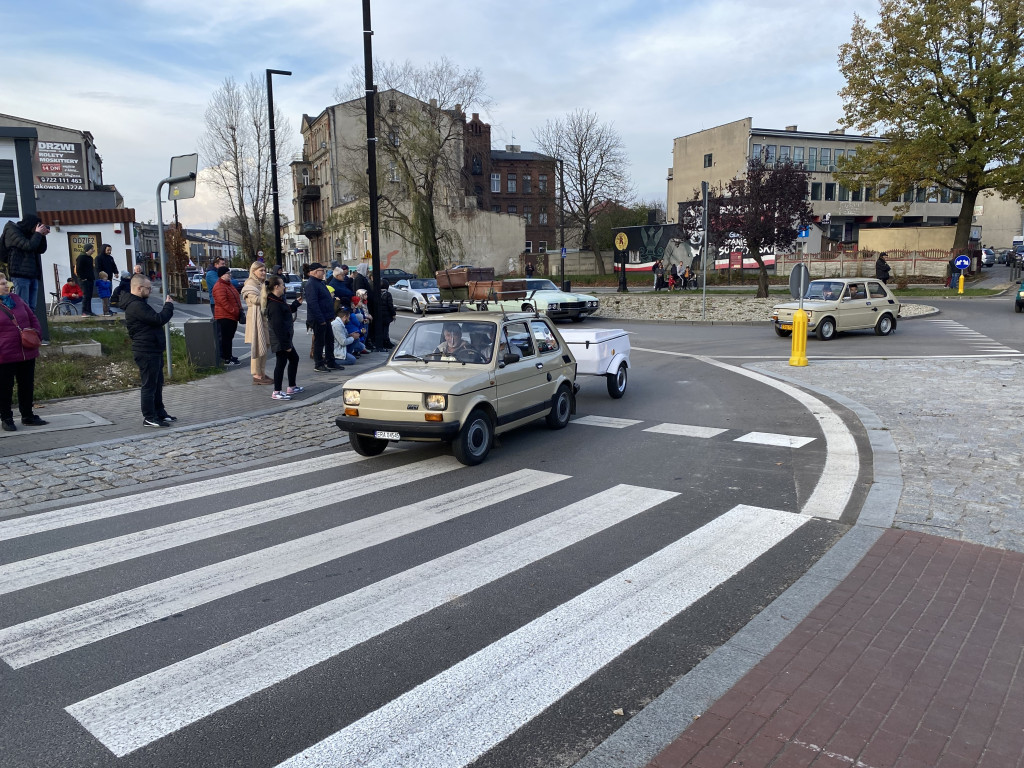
[59, 165]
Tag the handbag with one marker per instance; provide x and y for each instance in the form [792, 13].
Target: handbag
[30, 338]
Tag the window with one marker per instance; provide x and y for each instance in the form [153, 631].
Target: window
[527, 184]
[783, 153]
[543, 337]
[855, 194]
[830, 190]
[869, 194]
[815, 190]
[479, 192]
[495, 209]
[529, 247]
[876, 291]
[956, 198]
[511, 185]
[944, 195]
[826, 157]
[707, 160]
[769, 153]
[844, 194]
[922, 194]
[798, 154]
[542, 217]
[528, 214]
[851, 153]
[495, 182]
[393, 137]
[755, 150]
[542, 182]
[477, 165]
[542, 246]
[512, 209]
[933, 195]
[812, 158]
[840, 154]
[392, 172]
[908, 196]
[517, 339]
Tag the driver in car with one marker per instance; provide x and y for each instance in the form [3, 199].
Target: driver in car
[453, 342]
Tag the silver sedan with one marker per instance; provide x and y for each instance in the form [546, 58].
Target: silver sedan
[419, 295]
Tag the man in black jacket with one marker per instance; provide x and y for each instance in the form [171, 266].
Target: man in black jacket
[85, 270]
[26, 242]
[105, 261]
[146, 330]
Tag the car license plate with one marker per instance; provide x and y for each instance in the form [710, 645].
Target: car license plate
[387, 435]
[787, 326]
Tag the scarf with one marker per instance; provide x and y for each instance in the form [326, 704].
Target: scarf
[7, 301]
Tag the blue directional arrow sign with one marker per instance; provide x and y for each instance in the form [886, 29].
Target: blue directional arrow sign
[962, 262]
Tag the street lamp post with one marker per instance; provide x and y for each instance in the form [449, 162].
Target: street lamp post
[371, 170]
[273, 162]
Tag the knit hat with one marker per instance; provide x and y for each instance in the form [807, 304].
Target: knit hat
[221, 271]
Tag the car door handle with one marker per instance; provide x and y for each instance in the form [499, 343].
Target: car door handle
[540, 365]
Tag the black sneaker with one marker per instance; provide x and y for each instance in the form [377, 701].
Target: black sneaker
[168, 417]
[336, 367]
[157, 423]
[33, 421]
[9, 425]
[321, 369]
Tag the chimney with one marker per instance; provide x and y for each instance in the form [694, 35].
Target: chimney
[476, 116]
[838, 131]
[512, 147]
[433, 103]
[791, 128]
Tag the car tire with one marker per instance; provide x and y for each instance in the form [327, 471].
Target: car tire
[1018, 308]
[527, 308]
[781, 332]
[365, 445]
[415, 307]
[617, 382]
[561, 409]
[481, 307]
[885, 325]
[577, 318]
[826, 330]
[473, 442]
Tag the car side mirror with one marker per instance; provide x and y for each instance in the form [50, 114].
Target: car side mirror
[509, 358]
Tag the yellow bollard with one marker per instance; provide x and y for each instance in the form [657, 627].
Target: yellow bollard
[961, 289]
[798, 355]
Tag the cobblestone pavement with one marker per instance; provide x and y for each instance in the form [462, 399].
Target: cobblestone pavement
[957, 427]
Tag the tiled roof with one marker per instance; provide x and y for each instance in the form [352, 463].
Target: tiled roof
[99, 216]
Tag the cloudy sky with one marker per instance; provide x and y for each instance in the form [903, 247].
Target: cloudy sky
[138, 74]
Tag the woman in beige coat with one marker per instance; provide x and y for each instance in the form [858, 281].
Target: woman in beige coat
[256, 332]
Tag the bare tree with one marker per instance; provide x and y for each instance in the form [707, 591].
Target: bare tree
[595, 168]
[420, 154]
[236, 145]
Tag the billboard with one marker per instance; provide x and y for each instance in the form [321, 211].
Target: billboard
[59, 165]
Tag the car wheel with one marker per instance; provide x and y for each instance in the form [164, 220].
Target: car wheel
[415, 307]
[885, 325]
[617, 382]
[826, 329]
[481, 307]
[474, 439]
[527, 308]
[781, 332]
[577, 319]
[365, 445]
[1018, 308]
[561, 409]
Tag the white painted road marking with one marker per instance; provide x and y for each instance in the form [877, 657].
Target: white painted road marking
[606, 421]
[450, 720]
[57, 633]
[101, 510]
[770, 438]
[685, 430]
[137, 713]
[56, 565]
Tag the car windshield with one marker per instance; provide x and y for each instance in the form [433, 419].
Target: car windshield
[824, 290]
[540, 285]
[448, 341]
[426, 284]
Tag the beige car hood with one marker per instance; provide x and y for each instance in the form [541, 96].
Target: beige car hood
[432, 377]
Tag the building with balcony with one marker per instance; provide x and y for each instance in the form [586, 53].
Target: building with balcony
[717, 155]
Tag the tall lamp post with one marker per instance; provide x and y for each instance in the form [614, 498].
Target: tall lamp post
[273, 162]
[371, 170]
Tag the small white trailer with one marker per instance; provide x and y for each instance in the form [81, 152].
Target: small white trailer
[601, 352]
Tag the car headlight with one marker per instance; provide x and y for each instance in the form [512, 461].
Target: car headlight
[437, 402]
[351, 396]
[775, 314]
[431, 297]
[592, 303]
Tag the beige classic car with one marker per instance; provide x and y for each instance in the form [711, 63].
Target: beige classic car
[461, 379]
[841, 304]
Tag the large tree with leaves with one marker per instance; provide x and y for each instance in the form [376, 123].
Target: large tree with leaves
[420, 155]
[236, 146]
[595, 169]
[943, 84]
[765, 208]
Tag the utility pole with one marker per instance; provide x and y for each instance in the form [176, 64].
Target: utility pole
[273, 162]
[371, 170]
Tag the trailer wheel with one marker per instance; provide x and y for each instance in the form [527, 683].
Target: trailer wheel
[617, 382]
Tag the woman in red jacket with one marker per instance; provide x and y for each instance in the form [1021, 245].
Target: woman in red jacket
[16, 362]
[227, 310]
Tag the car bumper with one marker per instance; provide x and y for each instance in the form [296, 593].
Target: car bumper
[406, 429]
[569, 314]
[440, 307]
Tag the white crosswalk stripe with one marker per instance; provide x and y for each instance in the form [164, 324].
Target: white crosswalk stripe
[56, 565]
[605, 421]
[685, 430]
[462, 707]
[979, 341]
[770, 438]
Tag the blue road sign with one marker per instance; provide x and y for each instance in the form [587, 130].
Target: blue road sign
[563, 253]
[962, 262]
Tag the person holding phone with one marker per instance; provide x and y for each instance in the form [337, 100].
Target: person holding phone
[26, 243]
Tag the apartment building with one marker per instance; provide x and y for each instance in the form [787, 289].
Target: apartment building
[717, 155]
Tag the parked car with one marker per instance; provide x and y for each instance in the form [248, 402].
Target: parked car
[503, 372]
[394, 275]
[988, 257]
[841, 304]
[292, 285]
[1018, 300]
[195, 280]
[1005, 256]
[542, 295]
[419, 295]
[238, 277]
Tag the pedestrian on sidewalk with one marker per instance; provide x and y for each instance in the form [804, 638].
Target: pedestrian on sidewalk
[146, 330]
[123, 289]
[320, 314]
[227, 311]
[103, 292]
[387, 314]
[105, 262]
[346, 333]
[280, 318]
[71, 292]
[85, 270]
[256, 334]
[25, 242]
[211, 275]
[882, 268]
[17, 362]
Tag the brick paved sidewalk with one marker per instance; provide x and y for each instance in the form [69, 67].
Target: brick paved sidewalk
[915, 660]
